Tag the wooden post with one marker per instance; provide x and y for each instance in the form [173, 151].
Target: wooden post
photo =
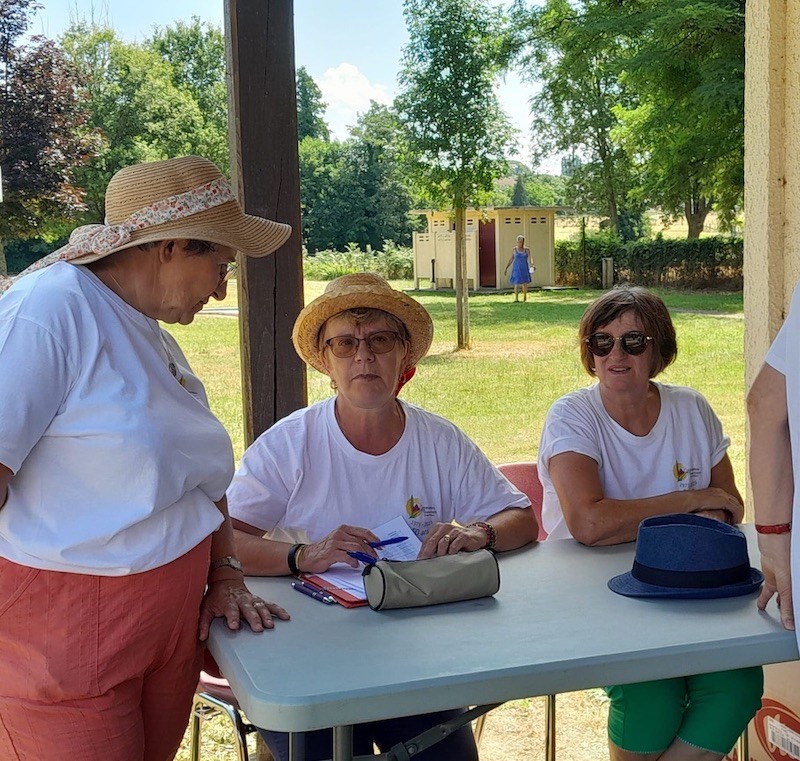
[265, 169]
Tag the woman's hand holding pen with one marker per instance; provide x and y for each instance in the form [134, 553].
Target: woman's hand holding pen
[448, 539]
[320, 556]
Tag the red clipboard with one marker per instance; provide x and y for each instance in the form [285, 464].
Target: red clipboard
[346, 599]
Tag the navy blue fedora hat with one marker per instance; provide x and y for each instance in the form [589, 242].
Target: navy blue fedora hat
[688, 557]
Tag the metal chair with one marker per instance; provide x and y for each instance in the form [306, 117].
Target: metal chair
[525, 476]
[214, 697]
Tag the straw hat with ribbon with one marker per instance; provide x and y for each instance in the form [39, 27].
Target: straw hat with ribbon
[363, 290]
[186, 197]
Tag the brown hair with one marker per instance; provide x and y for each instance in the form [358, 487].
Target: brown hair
[366, 316]
[651, 311]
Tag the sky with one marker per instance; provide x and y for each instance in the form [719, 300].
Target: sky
[352, 49]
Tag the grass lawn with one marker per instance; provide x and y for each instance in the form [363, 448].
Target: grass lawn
[525, 356]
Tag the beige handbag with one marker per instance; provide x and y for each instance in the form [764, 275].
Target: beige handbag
[449, 578]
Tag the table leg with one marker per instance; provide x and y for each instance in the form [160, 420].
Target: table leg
[343, 743]
[297, 746]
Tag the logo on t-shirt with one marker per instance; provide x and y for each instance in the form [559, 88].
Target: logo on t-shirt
[686, 476]
[412, 507]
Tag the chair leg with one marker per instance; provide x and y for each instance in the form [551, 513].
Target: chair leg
[550, 729]
[194, 734]
[477, 732]
[206, 703]
[743, 746]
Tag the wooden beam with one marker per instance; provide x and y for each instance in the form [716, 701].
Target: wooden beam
[265, 168]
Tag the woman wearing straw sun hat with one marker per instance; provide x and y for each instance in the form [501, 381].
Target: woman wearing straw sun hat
[320, 480]
[116, 550]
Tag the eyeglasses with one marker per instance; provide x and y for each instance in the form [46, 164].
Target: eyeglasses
[227, 271]
[379, 342]
[633, 342]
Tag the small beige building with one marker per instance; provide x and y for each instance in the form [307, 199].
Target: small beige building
[491, 238]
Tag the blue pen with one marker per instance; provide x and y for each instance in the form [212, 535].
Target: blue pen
[311, 592]
[384, 542]
[363, 557]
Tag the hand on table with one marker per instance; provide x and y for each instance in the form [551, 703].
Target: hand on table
[448, 539]
[718, 515]
[320, 556]
[232, 600]
[775, 555]
[714, 498]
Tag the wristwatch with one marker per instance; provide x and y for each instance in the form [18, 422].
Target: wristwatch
[229, 560]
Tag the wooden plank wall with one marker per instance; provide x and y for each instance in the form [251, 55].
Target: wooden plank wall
[265, 167]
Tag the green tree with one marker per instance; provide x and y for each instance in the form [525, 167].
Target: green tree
[196, 53]
[43, 130]
[373, 155]
[134, 102]
[519, 197]
[354, 191]
[455, 132]
[686, 64]
[324, 207]
[562, 46]
[310, 108]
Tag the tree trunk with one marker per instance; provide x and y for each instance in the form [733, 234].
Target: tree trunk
[609, 187]
[3, 265]
[696, 210]
[462, 294]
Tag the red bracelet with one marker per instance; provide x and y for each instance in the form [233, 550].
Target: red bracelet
[775, 528]
[488, 529]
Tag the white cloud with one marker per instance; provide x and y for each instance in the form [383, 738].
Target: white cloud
[348, 93]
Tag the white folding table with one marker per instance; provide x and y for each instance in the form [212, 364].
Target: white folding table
[553, 627]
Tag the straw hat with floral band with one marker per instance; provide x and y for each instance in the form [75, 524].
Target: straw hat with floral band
[363, 290]
[186, 197]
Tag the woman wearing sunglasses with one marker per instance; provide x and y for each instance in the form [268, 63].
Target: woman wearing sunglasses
[625, 449]
[311, 489]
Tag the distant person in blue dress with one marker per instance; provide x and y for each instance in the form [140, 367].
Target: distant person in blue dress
[521, 268]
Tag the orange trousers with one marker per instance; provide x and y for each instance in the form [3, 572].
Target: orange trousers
[99, 667]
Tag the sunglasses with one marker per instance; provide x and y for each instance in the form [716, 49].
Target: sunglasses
[227, 271]
[380, 342]
[633, 342]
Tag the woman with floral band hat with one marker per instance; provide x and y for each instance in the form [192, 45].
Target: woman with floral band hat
[116, 549]
[313, 487]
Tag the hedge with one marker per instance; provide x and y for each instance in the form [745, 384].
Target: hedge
[713, 262]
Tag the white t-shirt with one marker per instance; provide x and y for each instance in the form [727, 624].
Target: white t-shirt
[676, 455]
[302, 478]
[116, 464]
[784, 356]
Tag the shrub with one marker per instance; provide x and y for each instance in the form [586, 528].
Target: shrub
[393, 262]
[713, 262]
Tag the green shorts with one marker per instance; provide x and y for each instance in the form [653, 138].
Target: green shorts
[708, 711]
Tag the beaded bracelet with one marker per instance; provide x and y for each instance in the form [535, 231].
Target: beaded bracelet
[775, 528]
[488, 529]
[291, 558]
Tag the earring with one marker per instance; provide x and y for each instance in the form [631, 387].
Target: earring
[333, 384]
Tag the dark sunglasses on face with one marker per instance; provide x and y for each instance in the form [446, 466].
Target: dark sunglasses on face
[633, 342]
[380, 342]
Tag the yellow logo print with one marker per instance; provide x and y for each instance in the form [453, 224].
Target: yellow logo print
[412, 507]
[679, 471]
